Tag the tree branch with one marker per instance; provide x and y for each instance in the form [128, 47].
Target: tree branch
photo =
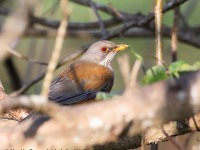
[125, 116]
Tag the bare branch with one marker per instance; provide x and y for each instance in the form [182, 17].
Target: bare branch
[158, 24]
[119, 121]
[124, 66]
[101, 24]
[134, 73]
[26, 86]
[57, 49]
[175, 34]
[15, 53]
[144, 22]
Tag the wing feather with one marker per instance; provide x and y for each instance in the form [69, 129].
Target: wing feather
[74, 85]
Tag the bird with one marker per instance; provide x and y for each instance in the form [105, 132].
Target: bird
[81, 80]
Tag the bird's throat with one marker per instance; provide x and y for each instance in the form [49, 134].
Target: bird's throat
[107, 61]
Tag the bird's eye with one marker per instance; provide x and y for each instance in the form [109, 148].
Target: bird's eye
[104, 49]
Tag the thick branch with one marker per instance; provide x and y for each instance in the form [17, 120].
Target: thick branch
[154, 135]
[189, 36]
[130, 18]
[137, 20]
[122, 117]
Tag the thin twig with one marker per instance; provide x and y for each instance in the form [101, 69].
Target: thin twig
[175, 34]
[195, 123]
[116, 11]
[102, 26]
[134, 73]
[25, 87]
[159, 47]
[123, 62]
[18, 55]
[57, 48]
[158, 24]
[172, 140]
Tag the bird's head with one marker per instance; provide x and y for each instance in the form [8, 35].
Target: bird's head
[102, 52]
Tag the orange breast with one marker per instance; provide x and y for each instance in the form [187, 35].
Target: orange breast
[90, 76]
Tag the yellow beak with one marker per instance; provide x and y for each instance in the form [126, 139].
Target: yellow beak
[120, 47]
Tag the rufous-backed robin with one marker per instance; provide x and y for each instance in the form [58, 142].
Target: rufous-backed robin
[81, 80]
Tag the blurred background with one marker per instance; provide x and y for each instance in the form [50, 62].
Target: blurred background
[40, 47]
[15, 72]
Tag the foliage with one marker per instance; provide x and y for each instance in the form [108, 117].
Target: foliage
[157, 73]
[154, 74]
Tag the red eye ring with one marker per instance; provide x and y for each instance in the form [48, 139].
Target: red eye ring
[104, 49]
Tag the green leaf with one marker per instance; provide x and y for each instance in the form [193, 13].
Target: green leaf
[155, 74]
[175, 67]
[179, 67]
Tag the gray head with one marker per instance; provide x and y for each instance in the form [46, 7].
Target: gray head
[102, 52]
